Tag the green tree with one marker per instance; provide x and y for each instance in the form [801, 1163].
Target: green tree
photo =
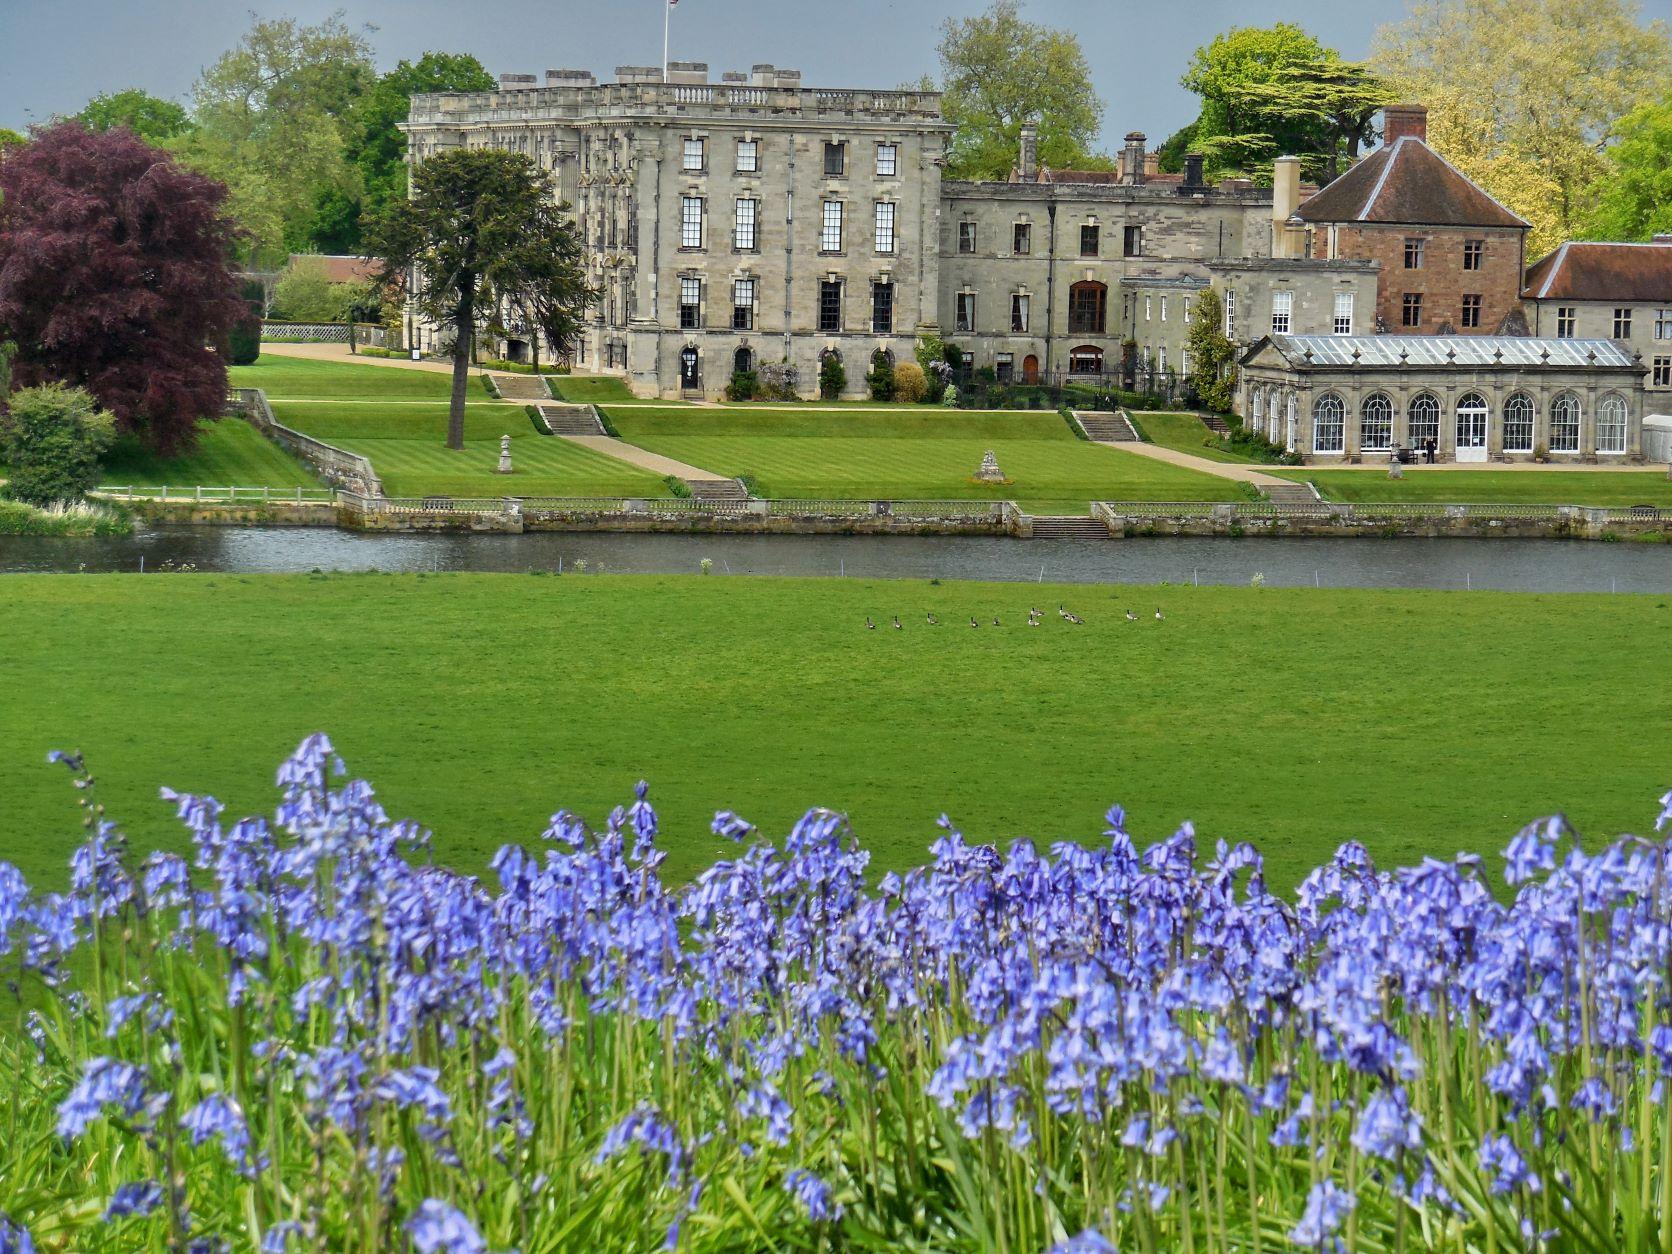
[481, 230]
[305, 293]
[273, 123]
[1277, 91]
[1632, 200]
[1524, 94]
[50, 440]
[1001, 73]
[11, 139]
[1213, 357]
[833, 377]
[150, 117]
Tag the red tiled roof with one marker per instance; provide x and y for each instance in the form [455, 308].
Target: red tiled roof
[1408, 183]
[1605, 272]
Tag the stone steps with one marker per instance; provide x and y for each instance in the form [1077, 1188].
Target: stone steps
[1106, 428]
[1291, 494]
[717, 490]
[521, 387]
[1216, 424]
[571, 420]
[1069, 528]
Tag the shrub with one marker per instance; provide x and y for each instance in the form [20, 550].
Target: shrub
[911, 385]
[244, 340]
[50, 440]
[677, 486]
[833, 378]
[63, 518]
[880, 381]
[304, 293]
[743, 386]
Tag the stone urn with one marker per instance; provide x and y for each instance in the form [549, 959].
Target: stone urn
[504, 467]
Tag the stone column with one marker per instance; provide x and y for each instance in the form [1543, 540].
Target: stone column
[1351, 424]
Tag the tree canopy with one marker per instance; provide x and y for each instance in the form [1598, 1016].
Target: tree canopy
[1632, 200]
[1523, 95]
[1277, 91]
[115, 277]
[150, 117]
[482, 231]
[1000, 73]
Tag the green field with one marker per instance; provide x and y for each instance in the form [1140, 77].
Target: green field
[479, 704]
[229, 453]
[591, 390]
[911, 454]
[1492, 487]
[282, 377]
[1186, 433]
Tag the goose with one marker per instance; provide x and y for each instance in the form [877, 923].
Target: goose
[869, 625]
[897, 626]
[995, 620]
[1061, 613]
[1032, 621]
[1131, 617]
[1159, 616]
[1035, 612]
[933, 621]
[1074, 618]
[974, 622]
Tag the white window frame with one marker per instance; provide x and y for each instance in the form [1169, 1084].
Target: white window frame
[1520, 423]
[966, 236]
[741, 289]
[830, 227]
[1613, 417]
[745, 230]
[1376, 423]
[690, 297]
[1661, 372]
[1343, 323]
[1230, 313]
[1424, 408]
[748, 156]
[1663, 324]
[1564, 406]
[885, 226]
[888, 161]
[1163, 307]
[1021, 313]
[695, 158]
[1567, 321]
[1282, 312]
[1623, 318]
[691, 221]
[1331, 409]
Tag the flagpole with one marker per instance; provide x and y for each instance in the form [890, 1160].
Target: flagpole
[667, 21]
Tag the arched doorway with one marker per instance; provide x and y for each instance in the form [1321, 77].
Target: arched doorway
[1472, 413]
[743, 360]
[1087, 359]
[1030, 369]
[690, 369]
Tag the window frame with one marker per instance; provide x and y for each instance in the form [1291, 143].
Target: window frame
[1470, 315]
[883, 234]
[1132, 242]
[878, 287]
[1428, 406]
[743, 313]
[1521, 418]
[827, 225]
[893, 151]
[1622, 322]
[1559, 413]
[1336, 418]
[1021, 239]
[1336, 318]
[754, 147]
[1660, 372]
[1021, 312]
[753, 224]
[1611, 404]
[1095, 238]
[1088, 308]
[966, 237]
[1567, 322]
[839, 150]
[1474, 254]
[1416, 252]
[1382, 404]
[1410, 309]
[690, 228]
[830, 306]
[1282, 308]
[690, 310]
[700, 146]
[963, 312]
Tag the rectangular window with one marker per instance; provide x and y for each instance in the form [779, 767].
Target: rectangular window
[1090, 238]
[693, 155]
[1662, 377]
[1230, 315]
[743, 305]
[1622, 324]
[1021, 239]
[1471, 311]
[835, 160]
[882, 308]
[1410, 310]
[966, 311]
[1019, 313]
[743, 238]
[830, 232]
[1282, 312]
[690, 222]
[690, 302]
[888, 160]
[748, 156]
[1132, 243]
[1088, 308]
[1004, 367]
[1567, 321]
[1663, 324]
[1564, 424]
[830, 305]
[1163, 309]
[1474, 253]
[1149, 307]
[885, 226]
[1184, 310]
[1414, 249]
[966, 237]
[1343, 313]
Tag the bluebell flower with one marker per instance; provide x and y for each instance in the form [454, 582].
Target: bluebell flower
[137, 1199]
[1327, 1208]
[1088, 1242]
[107, 1082]
[437, 1228]
[14, 1237]
[813, 1194]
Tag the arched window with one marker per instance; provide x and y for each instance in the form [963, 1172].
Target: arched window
[883, 357]
[1329, 424]
[1472, 414]
[1564, 424]
[1611, 425]
[743, 361]
[1423, 419]
[1087, 359]
[1376, 424]
[1088, 308]
[690, 368]
[1257, 411]
[1518, 424]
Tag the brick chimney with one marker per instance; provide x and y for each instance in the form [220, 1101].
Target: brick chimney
[1399, 121]
[1132, 158]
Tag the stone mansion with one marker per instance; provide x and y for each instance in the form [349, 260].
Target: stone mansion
[752, 220]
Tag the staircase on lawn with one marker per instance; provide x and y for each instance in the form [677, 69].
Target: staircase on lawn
[571, 419]
[1291, 494]
[1106, 428]
[717, 490]
[1215, 424]
[522, 387]
[1069, 527]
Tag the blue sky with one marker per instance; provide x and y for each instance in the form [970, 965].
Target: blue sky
[1138, 48]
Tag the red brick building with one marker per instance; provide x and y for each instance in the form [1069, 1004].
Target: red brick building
[1452, 258]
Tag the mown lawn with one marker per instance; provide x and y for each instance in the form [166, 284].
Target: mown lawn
[1186, 433]
[591, 390]
[480, 704]
[229, 453]
[924, 454]
[407, 444]
[1491, 487]
[302, 377]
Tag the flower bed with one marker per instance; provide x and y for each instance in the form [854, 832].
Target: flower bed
[304, 1036]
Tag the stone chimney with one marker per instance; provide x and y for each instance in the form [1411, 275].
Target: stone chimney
[1287, 240]
[1133, 158]
[1152, 164]
[1027, 164]
[689, 73]
[1194, 180]
[517, 82]
[1401, 121]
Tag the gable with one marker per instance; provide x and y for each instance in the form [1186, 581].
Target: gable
[1410, 184]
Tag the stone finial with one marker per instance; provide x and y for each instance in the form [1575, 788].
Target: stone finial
[990, 472]
[504, 467]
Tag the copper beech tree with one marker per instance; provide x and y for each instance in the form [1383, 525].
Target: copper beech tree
[115, 277]
[483, 231]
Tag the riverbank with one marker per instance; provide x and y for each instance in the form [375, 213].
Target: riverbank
[1419, 722]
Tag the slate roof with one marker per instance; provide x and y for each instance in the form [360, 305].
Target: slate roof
[1428, 351]
[1603, 272]
[1408, 183]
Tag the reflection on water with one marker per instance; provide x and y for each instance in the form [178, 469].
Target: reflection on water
[1516, 565]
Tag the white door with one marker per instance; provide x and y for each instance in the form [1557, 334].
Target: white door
[1471, 432]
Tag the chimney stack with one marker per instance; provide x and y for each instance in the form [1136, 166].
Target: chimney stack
[1404, 121]
[1027, 166]
[1132, 161]
[1286, 240]
[1194, 180]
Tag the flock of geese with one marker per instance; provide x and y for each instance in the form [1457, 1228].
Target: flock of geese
[1035, 615]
